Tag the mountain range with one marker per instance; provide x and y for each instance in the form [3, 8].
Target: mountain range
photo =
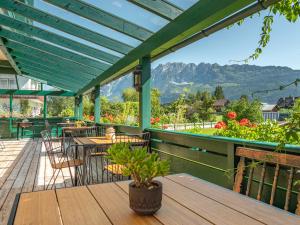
[173, 78]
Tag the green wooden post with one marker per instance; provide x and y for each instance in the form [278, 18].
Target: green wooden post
[75, 108]
[145, 94]
[97, 104]
[10, 113]
[80, 108]
[45, 107]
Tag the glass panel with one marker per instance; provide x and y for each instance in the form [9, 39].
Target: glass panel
[28, 84]
[27, 106]
[85, 23]
[120, 102]
[183, 4]
[130, 12]
[58, 106]
[4, 106]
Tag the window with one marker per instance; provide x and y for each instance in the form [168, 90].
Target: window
[3, 83]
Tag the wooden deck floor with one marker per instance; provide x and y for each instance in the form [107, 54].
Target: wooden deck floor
[24, 167]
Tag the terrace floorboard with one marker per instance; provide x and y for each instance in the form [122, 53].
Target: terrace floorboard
[24, 167]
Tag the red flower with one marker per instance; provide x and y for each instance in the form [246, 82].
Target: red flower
[221, 125]
[231, 115]
[157, 119]
[92, 118]
[152, 121]
[244, 122]
[165, 126]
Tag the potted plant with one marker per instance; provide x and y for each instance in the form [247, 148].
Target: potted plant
[145, 193]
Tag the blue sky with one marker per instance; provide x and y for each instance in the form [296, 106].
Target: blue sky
[235, 43]
[239, 42]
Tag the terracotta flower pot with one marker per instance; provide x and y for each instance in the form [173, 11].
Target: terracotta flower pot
[145, 201]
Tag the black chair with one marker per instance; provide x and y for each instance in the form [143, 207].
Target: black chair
[60, 161]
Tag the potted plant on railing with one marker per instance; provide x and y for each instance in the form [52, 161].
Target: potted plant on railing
[145, 193]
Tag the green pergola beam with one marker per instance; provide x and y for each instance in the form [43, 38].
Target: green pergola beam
[51, 64]
[58, 69]
[34, 92]
[53, 74]
[57, 39]
[97, 104]
[201, 15]
[65, 26]
[159, 7]
[16, 37]
[48, 79]
[104, 18]
[17, 49]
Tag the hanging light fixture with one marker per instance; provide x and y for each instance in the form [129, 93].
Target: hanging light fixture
[137, 78]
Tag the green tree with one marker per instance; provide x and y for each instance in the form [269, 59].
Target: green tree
[204, 107]
[218, 93]
[58, 104]
[156, 109]
[246, 109]
[130, 95]
[24, 107]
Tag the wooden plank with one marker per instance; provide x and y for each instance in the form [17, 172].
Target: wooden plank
[78, 206]
[38, 208]
[16, 158]
[262, 212]
[17, 186]
[171, 211]
[30, 179]
[211, 210]
[115, 204]
[270, 157]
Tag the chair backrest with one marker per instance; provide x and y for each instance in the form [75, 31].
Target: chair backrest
[46, 137]
[92, 131]
[292, 162]
[141, 140]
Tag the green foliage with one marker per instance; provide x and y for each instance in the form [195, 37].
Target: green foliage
[290, 9]
[138, 163]
[130, 95]
[24, 107]
[56, 105]
[246, 109]
[218, 93]
[88, 105]
[67, 112]
[269, 131]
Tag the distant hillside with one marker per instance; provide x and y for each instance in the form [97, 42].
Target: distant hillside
[236, 80]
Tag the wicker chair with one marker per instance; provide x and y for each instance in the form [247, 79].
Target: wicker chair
[60, 161]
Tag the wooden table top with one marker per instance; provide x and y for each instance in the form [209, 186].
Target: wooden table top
[65, 123]
[105, 141]
[186, 201]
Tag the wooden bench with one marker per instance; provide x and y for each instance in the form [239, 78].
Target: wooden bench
[267, 157]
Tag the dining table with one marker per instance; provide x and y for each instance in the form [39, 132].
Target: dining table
[186, 200]
[64, 124]
[103, 141]
[23, 125]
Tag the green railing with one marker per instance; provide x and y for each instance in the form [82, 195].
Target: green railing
[212, 158]
[8, 126]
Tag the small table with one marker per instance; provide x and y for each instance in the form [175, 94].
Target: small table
[100, 141]
[186, 201]
[23, 125]
[65, 124]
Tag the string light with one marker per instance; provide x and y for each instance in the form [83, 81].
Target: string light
[280, 88]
